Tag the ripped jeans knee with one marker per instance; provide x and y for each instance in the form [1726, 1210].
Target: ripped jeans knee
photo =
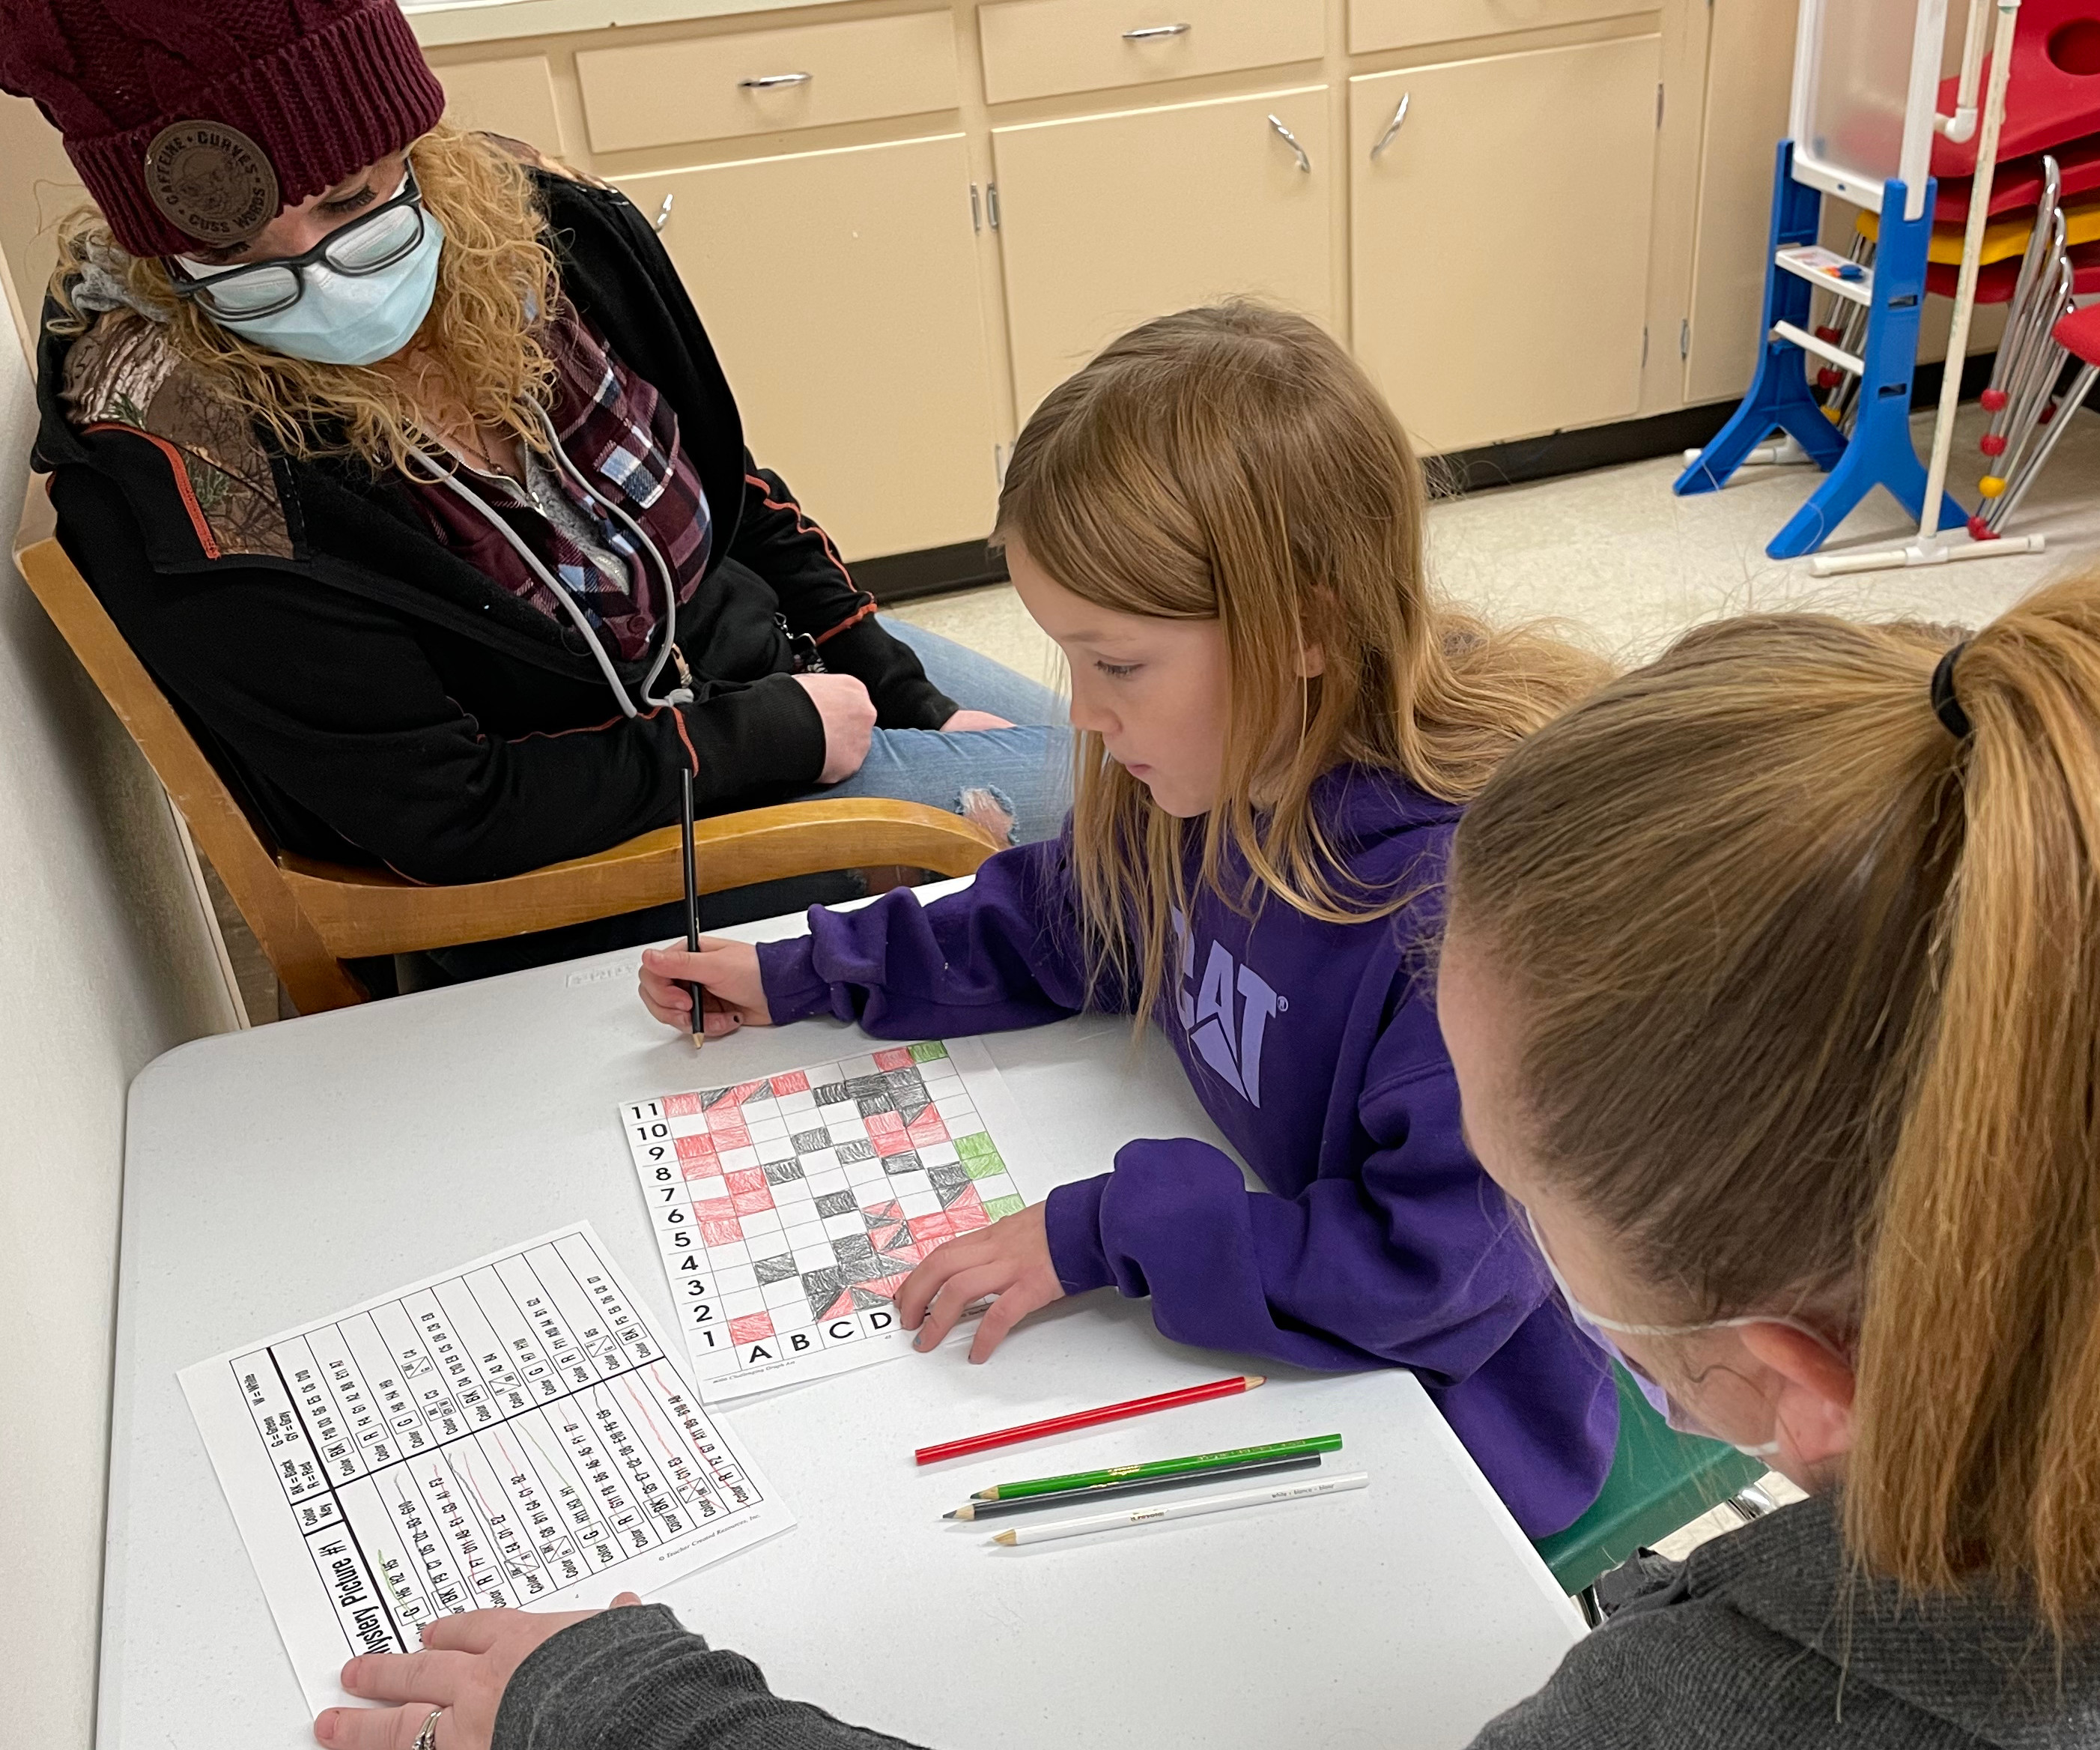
[987, 806]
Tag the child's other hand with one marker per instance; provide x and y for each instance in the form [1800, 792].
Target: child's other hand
[465, 1662]
[1011, 1259]
[736, 996]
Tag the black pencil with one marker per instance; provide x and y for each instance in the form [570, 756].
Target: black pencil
[692, 899]
[993, 1509]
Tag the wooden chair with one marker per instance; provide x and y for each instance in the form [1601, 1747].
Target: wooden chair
[310, 917]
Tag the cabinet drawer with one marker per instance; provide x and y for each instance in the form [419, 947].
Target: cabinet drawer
[1375, 25]
[1040, 48]
[663, 94]
[513, 97]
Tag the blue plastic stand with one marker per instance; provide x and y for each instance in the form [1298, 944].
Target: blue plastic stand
[1880, 452]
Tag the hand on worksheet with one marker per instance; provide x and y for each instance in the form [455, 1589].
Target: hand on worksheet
[465, 1662]
[729, 969]
[1011, 1259]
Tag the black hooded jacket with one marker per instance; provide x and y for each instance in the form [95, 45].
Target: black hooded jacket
[372, 696]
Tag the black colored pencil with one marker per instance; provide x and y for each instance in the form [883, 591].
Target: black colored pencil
[993, 1509]
[692, 898]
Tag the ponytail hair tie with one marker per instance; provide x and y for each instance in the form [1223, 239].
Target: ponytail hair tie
[1946, 706]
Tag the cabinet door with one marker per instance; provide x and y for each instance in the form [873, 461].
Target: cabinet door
[1109, 220]
[840, 289]
[514, 97]
[1501, 238]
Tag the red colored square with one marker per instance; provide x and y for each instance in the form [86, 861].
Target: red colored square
[968, 1218]
[910, 1257]
[681, 1105]
[699, 1147]
[796, 1082]
[887, 1286]
[898, 1057]
[729, 1098]
[752, 1202]
[928, 1231]
[884, 1212]
[701, 1167]
[714, 1208]
[751, 1328]
[891, 1142]
[885, 1124]
[927, 1129]
[751, 1178]
[840, 1308]
[722, 1233]
[721, 1123]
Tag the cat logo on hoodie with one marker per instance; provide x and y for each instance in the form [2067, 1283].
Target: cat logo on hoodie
[1229, 1043]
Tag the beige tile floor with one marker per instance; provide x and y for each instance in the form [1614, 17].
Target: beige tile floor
[1626, 566]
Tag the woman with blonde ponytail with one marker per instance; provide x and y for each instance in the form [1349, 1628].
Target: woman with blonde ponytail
[399, 455]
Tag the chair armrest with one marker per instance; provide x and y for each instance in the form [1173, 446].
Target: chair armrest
[364, 911]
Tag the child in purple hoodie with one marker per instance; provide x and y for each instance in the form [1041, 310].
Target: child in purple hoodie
[1220, 523]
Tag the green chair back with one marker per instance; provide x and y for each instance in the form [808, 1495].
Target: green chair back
[1660, 1481]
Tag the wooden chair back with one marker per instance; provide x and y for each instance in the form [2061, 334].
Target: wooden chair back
[308, 918]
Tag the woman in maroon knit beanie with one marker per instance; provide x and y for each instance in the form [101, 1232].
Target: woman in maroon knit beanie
[400, 456]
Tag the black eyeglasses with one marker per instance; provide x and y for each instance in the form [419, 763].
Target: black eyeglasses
[369, 242]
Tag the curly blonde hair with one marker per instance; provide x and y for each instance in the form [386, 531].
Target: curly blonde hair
[497, 283]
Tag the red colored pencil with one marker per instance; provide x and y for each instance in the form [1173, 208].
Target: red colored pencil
[1108, 1413]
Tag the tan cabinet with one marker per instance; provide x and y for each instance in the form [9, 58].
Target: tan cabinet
[1500, 238]
[760, 82]
[1375, 25]
[1038, 48]
[1108, 219]
[514, 97]
[841, 290]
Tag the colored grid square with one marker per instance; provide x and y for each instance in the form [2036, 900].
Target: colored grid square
[700, 1167]
[998, 1207]
[891, 1142]
[697, 1146]
[733, 1097]
[681, 1105]
[983, 1166]
[969, 1217]
[836, 1202]
[866, 1088]
[830, 1093]
[896, 1058]
[714, 1208]
[928, 1051]
[930, 1230]
[772, 1270]
[721, 1233]
[751, 1178]
[782, 1172]
[808, 1142]
[926, 1129]
[751, 1202]
[750, 1329]
[884, 1123]
[796, 1082]
[977, 1143]
[858, 1148]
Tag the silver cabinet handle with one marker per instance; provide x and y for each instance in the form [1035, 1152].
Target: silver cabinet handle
[1393, 126]
[664, 213]
[1150, 33]
[772, 80]
[1291, 140]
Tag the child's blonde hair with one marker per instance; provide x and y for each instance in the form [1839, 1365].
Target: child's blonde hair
[1233, 463]
[1808, 991]
[497, 283]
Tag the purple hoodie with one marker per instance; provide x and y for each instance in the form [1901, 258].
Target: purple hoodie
[1314, 1048]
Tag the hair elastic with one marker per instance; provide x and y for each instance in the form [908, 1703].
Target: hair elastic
[1946, 706]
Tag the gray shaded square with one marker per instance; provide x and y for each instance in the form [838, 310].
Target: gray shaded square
[831, 1094]
[859, 1149]
[852, 1246]
[808, 1142]
[868, 1269]
[947, 1178]
[906, 1160]
[772, 1270]
[824, 1287]
[836, 1202]
[906, 1081]
[783, 1172]
[865, 1086]
[872, 1104]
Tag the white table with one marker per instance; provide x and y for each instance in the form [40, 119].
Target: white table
[275, 1175]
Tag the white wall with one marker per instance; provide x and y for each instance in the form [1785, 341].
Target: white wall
[106, 961]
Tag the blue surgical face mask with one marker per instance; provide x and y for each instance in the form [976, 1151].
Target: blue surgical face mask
[347, 318]
[1593, 1326]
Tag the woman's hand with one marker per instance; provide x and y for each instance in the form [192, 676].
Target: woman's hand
[973, 720]
[465, 1661]
[729, 972]
[1011, 1259]
[849, 716]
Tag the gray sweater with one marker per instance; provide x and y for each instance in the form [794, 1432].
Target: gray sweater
[1758, 1642]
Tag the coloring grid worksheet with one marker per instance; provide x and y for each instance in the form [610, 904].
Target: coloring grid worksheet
[512, 1431]
[790, 1210]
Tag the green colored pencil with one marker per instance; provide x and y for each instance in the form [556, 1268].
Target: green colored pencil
[1162, 1467]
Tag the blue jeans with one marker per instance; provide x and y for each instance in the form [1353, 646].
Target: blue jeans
[1017, 780]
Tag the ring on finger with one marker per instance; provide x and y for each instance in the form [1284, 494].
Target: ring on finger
[427, 1738]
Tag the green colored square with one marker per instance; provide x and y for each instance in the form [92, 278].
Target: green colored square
[1000, 1207]
[976, 1147]
[983, 1166]
[929, 1051]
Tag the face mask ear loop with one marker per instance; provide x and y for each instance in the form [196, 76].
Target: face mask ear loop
[451, 480]
[676, 695]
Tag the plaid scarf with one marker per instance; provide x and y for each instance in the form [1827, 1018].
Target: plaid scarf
[622, 437]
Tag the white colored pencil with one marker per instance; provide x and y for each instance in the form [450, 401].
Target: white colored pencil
[1183, 1509]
